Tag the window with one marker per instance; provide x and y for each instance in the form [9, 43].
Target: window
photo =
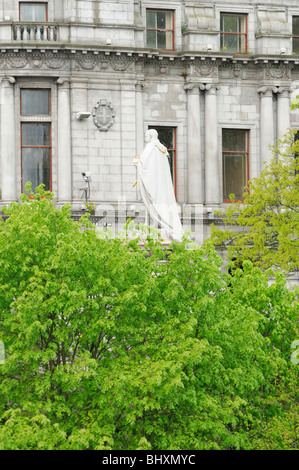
[296, 34]
[35, 138]
[160, 29]
[233, 32]
[33, 13]
[235, 162]
[167, 137]
[36, 12]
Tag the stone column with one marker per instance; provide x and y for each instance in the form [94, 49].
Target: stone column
[212, 171]
[139, 116]
[8, 141]
[139, 86]
[194, 171]
[64, 157]
[283, 111]
[266, 123]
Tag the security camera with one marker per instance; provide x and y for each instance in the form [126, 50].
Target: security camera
[86, 175]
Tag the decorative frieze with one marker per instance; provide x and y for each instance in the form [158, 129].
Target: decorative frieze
[278, 72]
[205, 69]
[16, 61]
[201, 68]
[59, 60]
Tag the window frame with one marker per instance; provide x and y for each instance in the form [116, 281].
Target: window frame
[172, 30]
[246, 154]
[293, 35]
[244, 34]
[44, 119]
[33, 3]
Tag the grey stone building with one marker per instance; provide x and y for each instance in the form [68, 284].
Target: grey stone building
[82, 80]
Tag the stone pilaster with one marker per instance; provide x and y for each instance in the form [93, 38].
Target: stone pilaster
[212, 171]
[283, 111]
[8, 141]
[139, 87]
[64, 157]
[266, 123]
[194, 165]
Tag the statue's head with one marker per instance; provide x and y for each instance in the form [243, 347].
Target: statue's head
[151, 134]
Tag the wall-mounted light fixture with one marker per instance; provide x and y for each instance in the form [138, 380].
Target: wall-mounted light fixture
[83, 115]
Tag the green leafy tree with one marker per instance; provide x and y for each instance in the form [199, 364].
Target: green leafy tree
[114, 345]
[264, 228]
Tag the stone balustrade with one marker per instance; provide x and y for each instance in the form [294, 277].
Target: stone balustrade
[34, 32]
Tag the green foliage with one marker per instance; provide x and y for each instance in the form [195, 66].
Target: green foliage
[268, 220]
[115, 344]
[280, 431]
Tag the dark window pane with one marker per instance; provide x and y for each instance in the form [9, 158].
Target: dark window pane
[33, 12]
[35, 102]
[171, 162]
[234, 175]
[161, 20]
[35, 135]
[161, 39]
[151, 39]
[295, 25]
[36, 167]
[234, 140]
[231, 42]
[230, 23]
[166, 137]
[296, 45]
[151, 19]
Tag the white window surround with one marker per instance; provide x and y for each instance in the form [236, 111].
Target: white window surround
[48, 2]
[52, 119]
[251, 127]
[176, 8]
[250, 12]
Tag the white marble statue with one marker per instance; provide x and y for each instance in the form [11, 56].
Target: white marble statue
[156, 187]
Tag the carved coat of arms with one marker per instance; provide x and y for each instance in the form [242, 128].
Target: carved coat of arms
[103, 115]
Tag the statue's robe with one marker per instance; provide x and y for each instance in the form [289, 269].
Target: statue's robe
[156, 189]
